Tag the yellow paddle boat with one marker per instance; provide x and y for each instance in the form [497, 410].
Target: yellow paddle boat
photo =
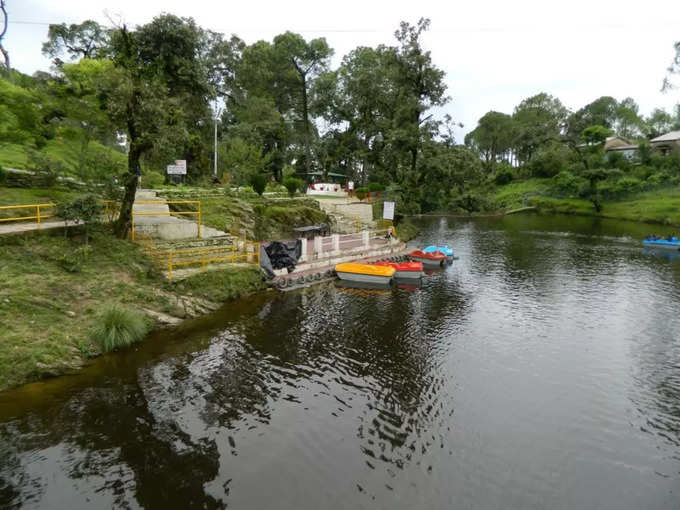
[366, 273]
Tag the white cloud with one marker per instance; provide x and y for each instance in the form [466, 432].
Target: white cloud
[495, 53]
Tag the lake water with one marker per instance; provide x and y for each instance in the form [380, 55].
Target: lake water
[541, 370]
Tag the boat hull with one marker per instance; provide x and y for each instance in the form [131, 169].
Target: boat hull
[364, 278]
[662, 245]
[408, 275]
[428, 262]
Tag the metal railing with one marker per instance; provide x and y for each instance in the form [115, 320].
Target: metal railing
[38, 216]
[250, 252]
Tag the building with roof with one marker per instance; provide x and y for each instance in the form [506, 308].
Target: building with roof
[620, 145]
[667, 142]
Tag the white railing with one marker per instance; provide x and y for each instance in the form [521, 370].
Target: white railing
[336, 243]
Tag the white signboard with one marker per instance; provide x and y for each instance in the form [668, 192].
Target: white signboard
[182, 163]
[176, 170]
[388, 210]
[350, 185]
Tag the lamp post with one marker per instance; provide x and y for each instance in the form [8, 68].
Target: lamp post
[218, 111]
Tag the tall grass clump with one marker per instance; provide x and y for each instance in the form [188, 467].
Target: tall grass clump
[119, 327]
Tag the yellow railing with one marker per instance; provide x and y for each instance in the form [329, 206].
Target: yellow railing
[37, 216]
[171, 213]
[205, 256]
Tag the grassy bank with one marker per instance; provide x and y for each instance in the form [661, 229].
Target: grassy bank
[659, 206]
[52, 290]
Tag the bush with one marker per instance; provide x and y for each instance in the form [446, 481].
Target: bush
[119, 327]
[549, 162]
[361, 192]
[567, 184]
[46, 168]
[375, 186]
[657, 179]
[504, 174]
[292, 184]
[3, 175]
[259, 183]
[80, 210]
[153, 179]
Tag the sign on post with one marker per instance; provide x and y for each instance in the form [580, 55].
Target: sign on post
[179, 168]
[350, 185]
[388, 210]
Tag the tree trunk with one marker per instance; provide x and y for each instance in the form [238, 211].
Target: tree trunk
[124, 222]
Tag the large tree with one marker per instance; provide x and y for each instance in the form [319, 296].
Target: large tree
[78, 40]
[493, 137]
[538, 120]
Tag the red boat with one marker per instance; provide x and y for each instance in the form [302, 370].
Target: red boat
[429, 259]
[404, 269]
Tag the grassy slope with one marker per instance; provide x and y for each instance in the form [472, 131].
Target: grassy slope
[38, 294]
[263, 219]
[660, 206]
[65, 150]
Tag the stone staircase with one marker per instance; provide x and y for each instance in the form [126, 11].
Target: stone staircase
[160, 225]
[347, 221]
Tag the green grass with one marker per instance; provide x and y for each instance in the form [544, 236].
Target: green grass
[223, 284]
[658, 206]
[52, 292]
[118, 327]
[23, 196]
[518, 193]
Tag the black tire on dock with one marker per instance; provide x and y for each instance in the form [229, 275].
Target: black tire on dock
[310, 277]
[318, 276]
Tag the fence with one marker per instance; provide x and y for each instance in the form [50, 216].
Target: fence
[38, 216]
[247, 252]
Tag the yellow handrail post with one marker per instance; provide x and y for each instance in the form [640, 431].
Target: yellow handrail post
[199, 220]
[170, 266]
[132, 230]
[233, 253]
[37, 210]
[259, 249]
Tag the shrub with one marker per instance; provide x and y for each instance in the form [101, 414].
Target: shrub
[259, 183]
[504, 174]
[361, 192]
[292, 184]
[567, 184]
[46, 168]
[80, 210]
[152, 179]
[375, 186]
[3, 175]
[657, 179]
[119, 327]
[549, 162]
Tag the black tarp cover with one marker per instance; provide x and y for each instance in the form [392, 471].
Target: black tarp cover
[280, 254]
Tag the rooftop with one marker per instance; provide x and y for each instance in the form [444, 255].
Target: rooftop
[668, 137]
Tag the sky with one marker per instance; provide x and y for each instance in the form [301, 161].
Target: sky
[494, 53]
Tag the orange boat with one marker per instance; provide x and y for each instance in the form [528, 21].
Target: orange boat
[429, 259]
[404, 269]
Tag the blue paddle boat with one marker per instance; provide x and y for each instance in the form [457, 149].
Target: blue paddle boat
[450, 257]
[671, 243]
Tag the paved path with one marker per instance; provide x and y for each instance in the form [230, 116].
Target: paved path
[19, 228]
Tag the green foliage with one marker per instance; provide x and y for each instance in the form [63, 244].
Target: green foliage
[504, 174]
[118, 327]
[549, 160]
[293, 184]
[3, 176]
[567, 184]
[81, 210]
[152, 180]
[361, 192]
[259, 183]
[375, 186]
[46, 168]
[595, 135]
